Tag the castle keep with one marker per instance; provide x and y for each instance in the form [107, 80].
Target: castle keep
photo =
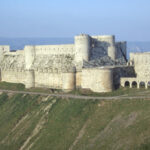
[97, 63]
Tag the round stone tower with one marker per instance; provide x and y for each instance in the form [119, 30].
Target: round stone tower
[97, 79]
[29, 56]
[68, 81]
[82, 47]
[111, 46]
[30, 79]
[106, 76]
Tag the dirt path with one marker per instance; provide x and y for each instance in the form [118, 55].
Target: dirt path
[80, 96]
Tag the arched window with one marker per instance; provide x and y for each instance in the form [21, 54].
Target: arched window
[142, 84]
[148, 84]
[134, 84]
[127, 84]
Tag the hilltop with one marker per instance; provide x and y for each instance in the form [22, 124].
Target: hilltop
[43, 122]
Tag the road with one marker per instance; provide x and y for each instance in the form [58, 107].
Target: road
[79, 96]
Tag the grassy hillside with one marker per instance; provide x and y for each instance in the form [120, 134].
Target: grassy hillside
[49, 123]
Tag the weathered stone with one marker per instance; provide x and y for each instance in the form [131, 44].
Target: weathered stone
[83, 64]
[141, 64]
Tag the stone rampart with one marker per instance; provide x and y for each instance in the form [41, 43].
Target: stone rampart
[62, 66]
[78, 79]
[30, 79]
[141, 62]
[68, 81]
[13, 76]
[64, 81]
[97, 79]
[48, 80]
[122, 71]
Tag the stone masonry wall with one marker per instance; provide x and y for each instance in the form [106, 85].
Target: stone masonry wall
[141, 62]
[13, 76]
[97, 79]
[60, 66]
[122, 71]
[48, 80]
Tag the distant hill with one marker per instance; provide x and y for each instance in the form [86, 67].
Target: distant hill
[19, 43]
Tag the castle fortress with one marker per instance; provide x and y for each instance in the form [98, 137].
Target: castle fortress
[97, 63]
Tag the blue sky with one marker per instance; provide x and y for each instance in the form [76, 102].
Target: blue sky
[127, 19]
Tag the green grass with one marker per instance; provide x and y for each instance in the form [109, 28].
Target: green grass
[118, 92]
[21, 87]
[12, 86]
[55, 123]
[44, 90]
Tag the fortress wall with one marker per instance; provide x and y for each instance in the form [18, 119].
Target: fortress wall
[78, 79]
[32, 52]
[68, 81]
[141, 62]
[30, 79]
[54, 49]
[137, 58]
[65, 81]
[13, 76]
[48, 80]
[122, 71]
[105, 79]
[140, 58]
[97, 79]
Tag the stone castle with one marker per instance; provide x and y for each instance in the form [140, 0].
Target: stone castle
[97, 63]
